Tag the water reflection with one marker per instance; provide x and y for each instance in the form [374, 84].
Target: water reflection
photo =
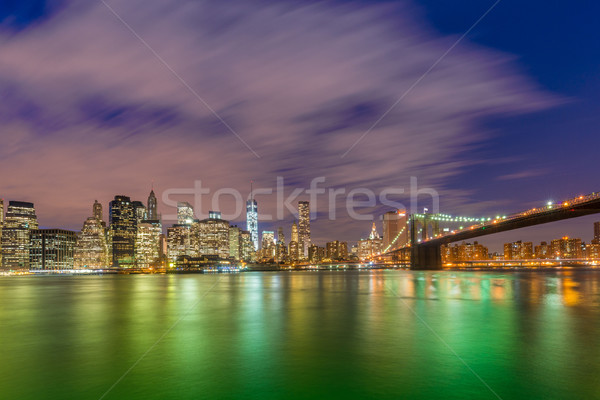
[302, 335]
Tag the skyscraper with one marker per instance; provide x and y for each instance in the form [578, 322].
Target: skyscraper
[123, 231]
[303, 228]
[152, 207]
[214, 237]
[97, 208]
[235, 242]
[596, 239]
[252, 219]
[1, 225]
[51, 249]
[139, 210]
[147, 244]
[91, 249]
[293, 245]
[20, 220]
[185, 213]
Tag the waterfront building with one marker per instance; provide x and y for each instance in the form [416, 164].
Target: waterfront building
[235, 242]
[565, 248]
[179, 242]
[371, 247]
[1, 225]
[593, 251]
[247, 251]
[213, 237]
[395, 230]
[20, 220]
[51, 249]
[185, 213]
[91, 248]
[303, 228]
[464, 252]
[268, 245]
[147, 245]
[336, 251]
[123, 231]
[316, 254]
[293, 251]
[252, 221]
[543, 251]
[596, 239]
[518, 250]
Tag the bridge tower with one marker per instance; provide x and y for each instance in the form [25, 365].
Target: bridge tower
[424, 256]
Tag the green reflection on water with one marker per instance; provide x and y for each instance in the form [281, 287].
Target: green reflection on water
[302, 335]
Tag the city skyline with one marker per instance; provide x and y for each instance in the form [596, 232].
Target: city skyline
[488, 115]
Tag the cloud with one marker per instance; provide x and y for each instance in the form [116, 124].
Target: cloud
[531, 173]
[90, 112]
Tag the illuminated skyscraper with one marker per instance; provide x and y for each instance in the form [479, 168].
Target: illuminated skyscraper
[235, 242]
[252, 219]
[185, 213]
[51, 249]
[247, 252]
[152, 207]
[123, 231]
[179, 242]
[371, 247]
[139, 210]
[1, 225]
[97, 208]
[214, 237]
[268, 244]
[20, 220]
[303, 228]
[91, 249]
[293, 245]
[147, 244]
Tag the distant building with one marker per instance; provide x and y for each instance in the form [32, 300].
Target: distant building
[336, 251]
[214, 237]
[214, 214]
[97, 213]
[371, 247]
[179, 242]
[268, 245]
[123, 231]
[543, 251]
[464, 252]
[303, 228]
[152, 207]
[147, 245]
[247, 250]
[316, 254]
[235, 242]
[252, 220]
[52, 249]
[518, 250]
[566, 248]
[185, 213]
[596, 239]
[91, 248]
[293, 247]
[20, 220]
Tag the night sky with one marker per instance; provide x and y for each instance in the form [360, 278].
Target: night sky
[506, 121]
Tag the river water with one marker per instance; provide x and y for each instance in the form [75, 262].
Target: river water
[302, 335]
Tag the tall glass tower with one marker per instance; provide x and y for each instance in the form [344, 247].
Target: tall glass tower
[252, 219]
[303, 227]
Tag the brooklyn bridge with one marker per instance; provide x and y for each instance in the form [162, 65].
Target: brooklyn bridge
[426, 234]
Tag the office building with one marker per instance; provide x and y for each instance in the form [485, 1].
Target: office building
[91, 248]
[252, 221]
[51, 249]
[147, 245]
[214, 237]
[152, 207]
[20, 220]
[185, 213]
[303, 228]
[123, 231]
